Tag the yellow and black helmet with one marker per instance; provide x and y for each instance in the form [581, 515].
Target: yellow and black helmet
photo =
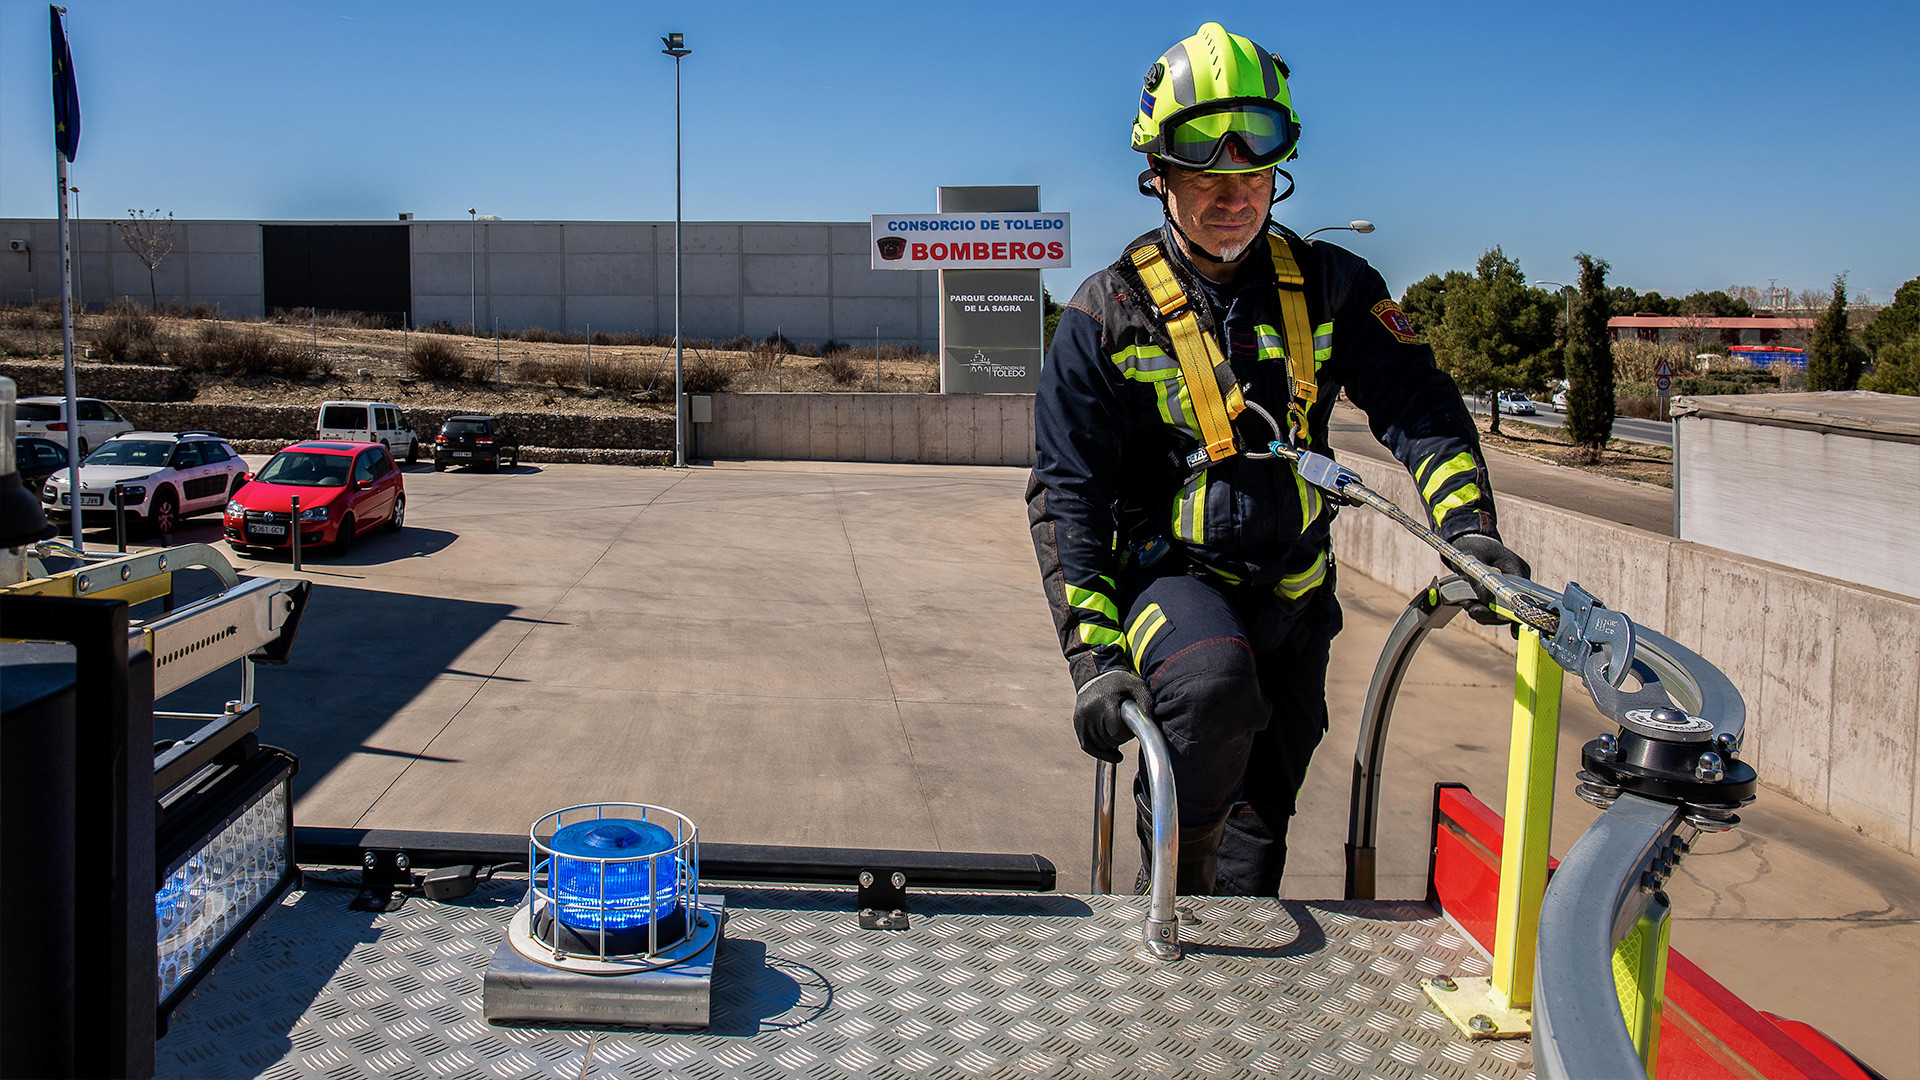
[1219, 103]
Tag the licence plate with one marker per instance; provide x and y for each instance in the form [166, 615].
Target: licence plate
[269, 530]
[462, 453]
[92, 500]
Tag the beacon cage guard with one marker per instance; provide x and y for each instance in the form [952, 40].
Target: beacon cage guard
[614, 883]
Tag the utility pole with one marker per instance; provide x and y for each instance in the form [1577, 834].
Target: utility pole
[676, 47]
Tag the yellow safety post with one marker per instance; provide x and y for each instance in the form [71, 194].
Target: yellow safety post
[1640, 976]
[1501, 1006]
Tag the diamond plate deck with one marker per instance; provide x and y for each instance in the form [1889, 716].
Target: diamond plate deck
[990, 985]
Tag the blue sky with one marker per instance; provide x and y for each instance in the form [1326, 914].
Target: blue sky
[1692, 145]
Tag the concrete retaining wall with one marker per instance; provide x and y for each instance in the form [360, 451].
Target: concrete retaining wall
[289, 423]
[1830, 670]
[926, 429]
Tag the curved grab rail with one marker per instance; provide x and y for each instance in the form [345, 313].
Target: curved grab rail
[1162, 932]
[1596, 897]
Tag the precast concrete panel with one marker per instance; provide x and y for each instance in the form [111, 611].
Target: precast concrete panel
[701, 275]
[786, 239]
[520, 238]
[701, 239]
[429, 309]
[519, 311]
[130, 277]
[624, 238]
[611, 314]
[224, 273]
[437, 274]
[628, 274]
[853, 240]
[716, 317]
[854, 275]
[854, 319]
[800, 318]
[521, 274]
[443, 237]
[785, 275]
[227, 236]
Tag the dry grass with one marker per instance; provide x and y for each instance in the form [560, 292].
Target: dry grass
[1621, 459]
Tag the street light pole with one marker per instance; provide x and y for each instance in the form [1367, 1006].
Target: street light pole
[473, 273]
[676, 47]
[79, 299]
[1570, 291]
[1351, 226]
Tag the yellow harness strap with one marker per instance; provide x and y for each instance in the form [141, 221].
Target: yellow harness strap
[1210, 384]
[1298, 329]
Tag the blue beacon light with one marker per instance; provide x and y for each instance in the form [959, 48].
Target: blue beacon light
[602, 869]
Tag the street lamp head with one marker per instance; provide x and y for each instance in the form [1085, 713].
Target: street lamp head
[1360, 226]
[471, 210]
[676, 45]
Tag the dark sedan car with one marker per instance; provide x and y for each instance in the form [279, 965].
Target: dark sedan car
[37, 459]
[475, 440]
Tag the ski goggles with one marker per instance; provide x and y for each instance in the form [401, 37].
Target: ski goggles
[1229, 136]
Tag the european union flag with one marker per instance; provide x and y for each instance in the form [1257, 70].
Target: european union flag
[66, 96]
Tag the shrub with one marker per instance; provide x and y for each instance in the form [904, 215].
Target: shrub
[600, 337]
[562, 371]
[703, 376]
[247, 353]
[624, 376]
[138, 321]
[203, 311]
[480, 369]
[841, 368]
[432, 358]
[534, 333]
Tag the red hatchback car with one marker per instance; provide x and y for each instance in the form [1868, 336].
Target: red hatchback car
[344, 490]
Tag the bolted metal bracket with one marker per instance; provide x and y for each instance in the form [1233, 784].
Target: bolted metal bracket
[1475, 1010]
[883, 899]
[383, 874]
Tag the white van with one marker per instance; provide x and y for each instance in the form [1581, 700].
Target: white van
[369, 421]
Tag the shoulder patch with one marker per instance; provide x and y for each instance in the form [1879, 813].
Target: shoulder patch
[1396, 322]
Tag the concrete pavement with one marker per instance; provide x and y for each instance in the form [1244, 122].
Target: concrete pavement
[859, 655]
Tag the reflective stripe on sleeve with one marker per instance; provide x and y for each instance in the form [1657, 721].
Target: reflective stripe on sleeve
[1089, 600]
[1466, 496]
[1140, 635]
[1445, 471]
[1294, 586]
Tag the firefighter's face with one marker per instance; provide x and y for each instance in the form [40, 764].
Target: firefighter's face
[1222, 212]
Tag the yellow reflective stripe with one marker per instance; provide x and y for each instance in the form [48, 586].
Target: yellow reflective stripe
[1322, 344]
[1231, 579]
[1145, 363]
[1447, 470]
[1310, 504]
[1097, 636]
[1150, 622]
[1088, 600]
[1190, 510]
[1466, 496]
[1269, 343]
[1294, 586]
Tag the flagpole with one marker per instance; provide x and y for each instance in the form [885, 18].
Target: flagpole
[66, 345]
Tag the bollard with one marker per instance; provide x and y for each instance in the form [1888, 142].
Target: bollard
[293, 531]
[119, 519]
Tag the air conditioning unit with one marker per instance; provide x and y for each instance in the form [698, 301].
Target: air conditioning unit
[18, 245]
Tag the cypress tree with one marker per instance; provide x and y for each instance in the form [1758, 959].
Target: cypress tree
[1590, 394]
[1834, 361]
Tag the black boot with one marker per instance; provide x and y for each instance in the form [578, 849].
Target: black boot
[1197, 865]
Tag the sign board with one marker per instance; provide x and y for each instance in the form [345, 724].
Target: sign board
[990, 330]
[1662, 383]
[1663, 369]
[1008, 240]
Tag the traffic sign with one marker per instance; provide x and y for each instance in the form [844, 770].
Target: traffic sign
[1662, 384]
[1664, 370]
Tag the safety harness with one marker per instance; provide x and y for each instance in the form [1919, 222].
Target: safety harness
[1211, 387]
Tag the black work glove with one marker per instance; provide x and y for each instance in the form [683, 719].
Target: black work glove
[1096, 712]
[1498, 556]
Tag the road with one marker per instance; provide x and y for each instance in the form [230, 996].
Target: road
[1656, 432]
[1643, 506]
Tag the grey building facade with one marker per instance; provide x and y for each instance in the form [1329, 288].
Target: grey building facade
[811, 281]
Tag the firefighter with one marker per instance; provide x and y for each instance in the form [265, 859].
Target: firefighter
[1189, 571]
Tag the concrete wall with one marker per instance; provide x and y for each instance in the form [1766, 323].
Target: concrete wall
[811, 281]
[1849, 507]
[1830, 670]
[212, 262]
[932, 429]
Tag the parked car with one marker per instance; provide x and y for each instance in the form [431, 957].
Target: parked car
[475, 440]
[368, 421]
[1514, 403]
[344, 489]
[163, 476]
[46, 417]
[37, 459]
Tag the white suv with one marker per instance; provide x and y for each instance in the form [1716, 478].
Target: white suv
[368, 421]
[163, 476]
[46, 418]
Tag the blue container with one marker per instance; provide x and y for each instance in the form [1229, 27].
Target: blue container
[612, 896]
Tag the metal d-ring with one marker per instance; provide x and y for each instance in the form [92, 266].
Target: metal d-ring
[1279, 437]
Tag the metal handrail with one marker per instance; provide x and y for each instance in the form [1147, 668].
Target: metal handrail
[1162, 932]
[1593, 900]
